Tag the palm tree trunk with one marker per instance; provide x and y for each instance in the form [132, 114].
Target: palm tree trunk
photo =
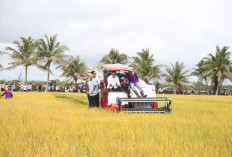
[146, 80]
[175, 88]
[26, 75]
[215, 86]
[218, 87]
[48, 77]
[206, 86]
[75, 82]
[180, 87]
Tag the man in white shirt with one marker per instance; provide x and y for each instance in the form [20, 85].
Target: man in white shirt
[95, 76]
[113, 81]
[94, 73]
[30, 87]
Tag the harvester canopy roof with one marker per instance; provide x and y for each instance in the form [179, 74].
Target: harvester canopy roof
[116, 67]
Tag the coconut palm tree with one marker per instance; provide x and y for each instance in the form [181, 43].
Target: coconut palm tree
[177, 74]
[144, 65]
[217, 67]
[199, 70]
[50, 52]
[1, 67]
[24, 54]
[74, 69]
[114, 57]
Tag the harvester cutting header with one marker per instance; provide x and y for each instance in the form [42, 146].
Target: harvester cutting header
[122, 90]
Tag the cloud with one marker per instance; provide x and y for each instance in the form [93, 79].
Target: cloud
[172, 30]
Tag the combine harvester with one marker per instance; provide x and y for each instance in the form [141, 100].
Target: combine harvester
[124, 99]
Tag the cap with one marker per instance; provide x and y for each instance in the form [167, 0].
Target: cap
[131, 69]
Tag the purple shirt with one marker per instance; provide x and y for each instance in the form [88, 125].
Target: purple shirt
[132, 78]
[8, 94]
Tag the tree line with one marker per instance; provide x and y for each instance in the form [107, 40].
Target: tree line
[43, 53]
[213, 69]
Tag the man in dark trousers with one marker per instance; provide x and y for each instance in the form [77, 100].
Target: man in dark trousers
[98, 81]
[92, 90]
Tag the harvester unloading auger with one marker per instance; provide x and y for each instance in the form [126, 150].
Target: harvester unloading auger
[124, 99]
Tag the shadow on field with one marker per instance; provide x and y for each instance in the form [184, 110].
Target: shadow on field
[75, 100]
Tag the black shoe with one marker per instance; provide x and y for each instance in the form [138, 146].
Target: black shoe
[144, 96]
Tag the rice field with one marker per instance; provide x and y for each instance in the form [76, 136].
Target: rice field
[61, 124]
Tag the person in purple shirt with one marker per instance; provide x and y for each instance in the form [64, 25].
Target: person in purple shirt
[8, 94]
[134, 82]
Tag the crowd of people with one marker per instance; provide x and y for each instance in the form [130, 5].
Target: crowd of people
[22, 87]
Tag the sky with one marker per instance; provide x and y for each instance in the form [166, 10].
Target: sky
[173, 30]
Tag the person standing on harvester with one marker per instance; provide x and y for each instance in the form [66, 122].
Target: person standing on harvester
[134, 82]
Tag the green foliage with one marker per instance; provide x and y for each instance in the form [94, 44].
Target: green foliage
[177, 74]
[1, 67]
[144, 65]
[114, 57]
[50, 51]
[74, 69]
[24, 54]
[216, 68]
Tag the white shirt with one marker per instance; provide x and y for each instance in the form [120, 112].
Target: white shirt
[113, 81]
[98, 79]
[29, 86]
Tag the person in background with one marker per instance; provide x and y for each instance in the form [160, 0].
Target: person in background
[6, 87]
[21, 87]
[49, 88]
[13, 87]
[40, 88]
[57, 88]
[44, 87]
[98, 82]
[134, 82]
[92, 91]
[113, 81]
[70, 89]
[34, 87]
[9, 87]
[25, 88]
[18, 86]
[1, 89]
[8, 94]
[86, 85]
[30, 87]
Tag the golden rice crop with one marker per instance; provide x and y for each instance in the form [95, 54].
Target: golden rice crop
[61, 124]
